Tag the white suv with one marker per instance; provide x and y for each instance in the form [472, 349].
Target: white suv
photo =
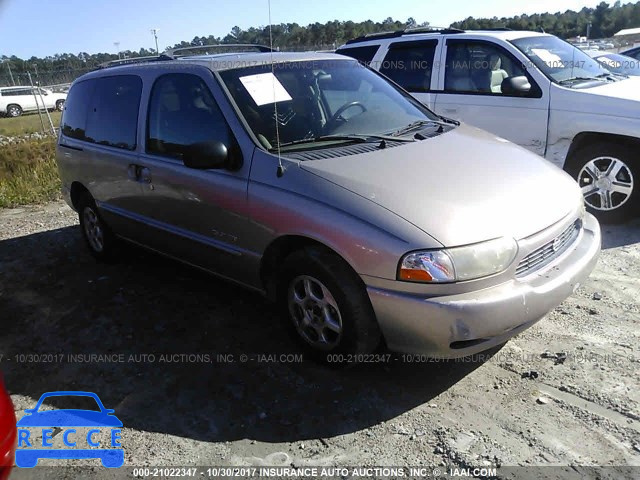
[532, 89]
[16, 100]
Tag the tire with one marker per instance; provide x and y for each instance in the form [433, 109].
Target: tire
[60, 105]
[97, 235]
[326, 306]
[608, 175]
[14, 110]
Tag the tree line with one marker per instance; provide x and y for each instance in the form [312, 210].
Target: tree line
[605, 20]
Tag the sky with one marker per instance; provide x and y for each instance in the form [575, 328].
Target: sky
[46, 27]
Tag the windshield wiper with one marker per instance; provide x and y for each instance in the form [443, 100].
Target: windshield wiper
[577, 79]
[416, 125]
[355, 138]
[611, 76]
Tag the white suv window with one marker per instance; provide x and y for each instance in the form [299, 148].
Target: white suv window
[409, 64]
[478, 67]
[17, 92]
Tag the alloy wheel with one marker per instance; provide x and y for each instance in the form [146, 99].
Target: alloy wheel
[606, 183]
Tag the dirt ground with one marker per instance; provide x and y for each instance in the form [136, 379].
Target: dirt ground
[565, 392]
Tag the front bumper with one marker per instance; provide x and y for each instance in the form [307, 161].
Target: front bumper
[453, 326]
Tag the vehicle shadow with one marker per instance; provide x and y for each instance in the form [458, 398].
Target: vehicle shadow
[168, 343]
[620, 235]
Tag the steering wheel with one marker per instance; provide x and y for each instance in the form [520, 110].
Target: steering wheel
[338, 115]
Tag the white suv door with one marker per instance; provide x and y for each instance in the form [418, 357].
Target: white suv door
[470, 89]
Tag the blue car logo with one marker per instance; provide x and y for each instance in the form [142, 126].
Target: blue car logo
[100, 424]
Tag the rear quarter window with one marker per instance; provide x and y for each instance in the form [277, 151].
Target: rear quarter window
[76, 108]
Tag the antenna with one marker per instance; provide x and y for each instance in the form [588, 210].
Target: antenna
[280, 170]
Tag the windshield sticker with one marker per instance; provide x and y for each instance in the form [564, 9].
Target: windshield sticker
[546, 56]
[265, 88]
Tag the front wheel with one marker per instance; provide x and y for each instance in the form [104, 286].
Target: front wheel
[607, 174]
[326, 305]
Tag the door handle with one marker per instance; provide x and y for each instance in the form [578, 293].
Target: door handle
[140, 174]
[144, 175]
[450, 110]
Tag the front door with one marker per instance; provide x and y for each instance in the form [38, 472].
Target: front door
[197, 215]
[472, 92]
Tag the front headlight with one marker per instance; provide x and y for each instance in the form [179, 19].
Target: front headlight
[459, 263]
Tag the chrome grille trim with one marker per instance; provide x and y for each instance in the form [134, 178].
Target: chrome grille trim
[546, 253]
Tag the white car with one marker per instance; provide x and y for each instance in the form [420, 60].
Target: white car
[16, 100]
[616, 62]
[532, 89]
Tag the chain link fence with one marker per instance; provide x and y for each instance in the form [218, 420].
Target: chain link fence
[57, 78]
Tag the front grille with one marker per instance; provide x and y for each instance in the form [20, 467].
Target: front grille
[550, 250]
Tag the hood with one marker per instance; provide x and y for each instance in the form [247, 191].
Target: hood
[619, 99]
[462, 187]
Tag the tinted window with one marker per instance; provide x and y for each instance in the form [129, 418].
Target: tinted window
[362, 54]
[74, 118]
[476, 67]
[182, 112]
[113, 111]
[17, 92]
[409, 64]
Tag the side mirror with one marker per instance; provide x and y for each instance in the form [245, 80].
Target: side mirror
[206, 155]
[516, 86]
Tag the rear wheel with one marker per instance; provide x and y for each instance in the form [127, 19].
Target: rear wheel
[326, 306]
[98, 236]
[14, 110]
[60, 105]
[607, 174]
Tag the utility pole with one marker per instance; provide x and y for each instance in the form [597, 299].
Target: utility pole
[588, 30]
[117, 45]
[10, 74]
[155, 31]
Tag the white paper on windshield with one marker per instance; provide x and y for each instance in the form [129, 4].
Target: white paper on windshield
[265, 88]
[547, 57]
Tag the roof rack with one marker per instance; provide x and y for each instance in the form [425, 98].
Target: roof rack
[406, 31]
[176, 52]
[132, 60]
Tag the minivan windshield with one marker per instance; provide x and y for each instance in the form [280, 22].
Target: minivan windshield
[319, 103]
[560, 61]
[620, 64]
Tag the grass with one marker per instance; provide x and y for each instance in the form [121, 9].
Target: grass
[27, 123]
[28, 173]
